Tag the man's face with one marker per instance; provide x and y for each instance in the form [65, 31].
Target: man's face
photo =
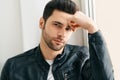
[56, 30]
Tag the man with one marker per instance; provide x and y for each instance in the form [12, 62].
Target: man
[53, 59]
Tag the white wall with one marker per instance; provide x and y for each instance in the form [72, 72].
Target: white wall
[10, 29]
[108, 18]
[31, 11]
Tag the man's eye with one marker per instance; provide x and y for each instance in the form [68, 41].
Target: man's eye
[57, 25]
[68, 29]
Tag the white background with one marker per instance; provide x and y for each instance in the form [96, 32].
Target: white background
[10, 30]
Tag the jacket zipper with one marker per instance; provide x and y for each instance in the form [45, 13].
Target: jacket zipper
[65, 76]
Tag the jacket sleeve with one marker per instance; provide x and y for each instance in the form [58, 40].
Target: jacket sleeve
[99, 66]
[5, 71]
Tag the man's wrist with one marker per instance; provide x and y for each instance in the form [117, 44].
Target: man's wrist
[92, 28]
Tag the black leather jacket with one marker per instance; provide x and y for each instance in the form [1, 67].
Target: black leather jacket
[75, 63]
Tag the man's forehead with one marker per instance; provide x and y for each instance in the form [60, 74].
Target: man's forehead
[61, 14]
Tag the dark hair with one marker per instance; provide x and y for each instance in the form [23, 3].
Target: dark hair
[67, 6]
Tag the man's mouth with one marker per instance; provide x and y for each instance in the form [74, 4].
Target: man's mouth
[59, 41]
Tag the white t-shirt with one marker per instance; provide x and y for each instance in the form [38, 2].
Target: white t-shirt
[50, 75]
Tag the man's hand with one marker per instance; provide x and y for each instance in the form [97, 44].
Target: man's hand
[80, 20]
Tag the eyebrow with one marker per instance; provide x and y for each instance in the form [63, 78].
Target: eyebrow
[57, 22]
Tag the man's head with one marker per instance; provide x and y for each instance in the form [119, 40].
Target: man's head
[54, 23]
[67, 6]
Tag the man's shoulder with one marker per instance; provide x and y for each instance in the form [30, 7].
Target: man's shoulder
[79, 52]
[23, 58]
[76, 48]
[25, 54]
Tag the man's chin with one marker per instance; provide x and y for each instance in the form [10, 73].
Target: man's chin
[57, 47]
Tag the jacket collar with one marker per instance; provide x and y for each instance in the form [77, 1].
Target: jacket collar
[40, 59]
[59, 60]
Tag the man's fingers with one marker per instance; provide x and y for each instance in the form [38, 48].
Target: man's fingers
[74, 26]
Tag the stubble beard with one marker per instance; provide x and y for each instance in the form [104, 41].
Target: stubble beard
[50, 43]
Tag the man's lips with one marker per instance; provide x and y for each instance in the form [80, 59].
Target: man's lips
[58, 41]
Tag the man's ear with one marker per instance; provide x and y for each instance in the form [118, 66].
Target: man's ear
[41, 23]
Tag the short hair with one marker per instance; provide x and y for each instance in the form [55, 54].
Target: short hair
[67, 6]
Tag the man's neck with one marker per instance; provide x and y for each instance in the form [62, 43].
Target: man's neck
[48, 53]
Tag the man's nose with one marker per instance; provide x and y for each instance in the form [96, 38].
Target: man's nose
[62, 33]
